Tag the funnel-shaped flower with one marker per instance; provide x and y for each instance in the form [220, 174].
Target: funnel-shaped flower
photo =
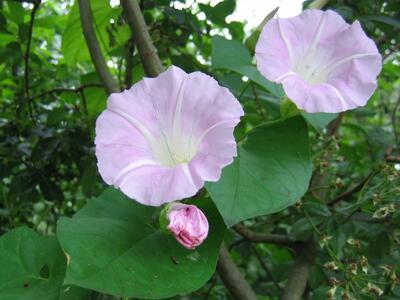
[324, 64]
[187, 223]
[160, 140]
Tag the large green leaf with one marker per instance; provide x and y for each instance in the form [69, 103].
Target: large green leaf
[32, 266]
[73, 42]
[233, 55]
[114, 249]
[271, 172]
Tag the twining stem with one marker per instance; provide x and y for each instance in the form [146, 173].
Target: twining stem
[232, 278]
[108, 81]
[148, 54]
[28, 48]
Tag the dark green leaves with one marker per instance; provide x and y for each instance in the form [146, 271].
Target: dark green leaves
[271, 172]
[233, 55]
[114, 248]
[32, 267]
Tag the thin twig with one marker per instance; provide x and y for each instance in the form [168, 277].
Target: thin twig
[391, 51]
[36, 5]
[212, 284]
[266, 268]
[71, 90]
[108, 81]
[393, 159]
[396, 106]
[270, 238]
[259, 106]
[130, 48]
[352, 190]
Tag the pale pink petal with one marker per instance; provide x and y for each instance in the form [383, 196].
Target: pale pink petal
[318, 52]
[118, 146]
[156, 185]
[160, 140]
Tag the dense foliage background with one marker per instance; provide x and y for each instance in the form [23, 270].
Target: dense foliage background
[51, 96]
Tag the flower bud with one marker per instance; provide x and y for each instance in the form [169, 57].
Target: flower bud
[187, 223]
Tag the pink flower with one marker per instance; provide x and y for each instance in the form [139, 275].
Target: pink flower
[188, 224]
[324, 64]
[162, 139]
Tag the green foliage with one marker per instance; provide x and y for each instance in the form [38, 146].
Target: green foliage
[233, 55]
[48, 169]
[32, 267]
[114, 235]
[272, 171]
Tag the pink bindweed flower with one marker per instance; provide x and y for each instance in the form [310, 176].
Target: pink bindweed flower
[324, 64]
[163, 138]
[187, 223]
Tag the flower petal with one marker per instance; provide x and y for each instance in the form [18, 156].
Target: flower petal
[156, 185]
[160, 140]
[210, 118]
[327, 60]
[317, 98]
[118, 145]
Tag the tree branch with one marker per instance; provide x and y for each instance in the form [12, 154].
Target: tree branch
[270, 238]
[231, 277]
[108, 81]
[28, 48]
[299, 273]
[148, 54]
[393, 159]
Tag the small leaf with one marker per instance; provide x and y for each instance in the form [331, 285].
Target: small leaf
[319, 120]
[317, 208]
[233, 55]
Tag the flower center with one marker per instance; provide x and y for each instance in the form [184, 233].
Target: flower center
[311, 71]
[173, 150]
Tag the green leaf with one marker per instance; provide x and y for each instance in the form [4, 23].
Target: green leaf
[271, 172]
[288, 109]
[319, 120]
[219, 12]
[391, 21]
[32, 266]
[317, 208]
[233, 55]
[114, 249]
[73, 42]
[15, 12]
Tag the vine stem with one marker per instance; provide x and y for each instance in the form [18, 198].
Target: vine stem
[148, 54]
[36, 5]
[108, 81]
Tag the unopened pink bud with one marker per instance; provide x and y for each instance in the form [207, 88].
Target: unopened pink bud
[188, 224]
